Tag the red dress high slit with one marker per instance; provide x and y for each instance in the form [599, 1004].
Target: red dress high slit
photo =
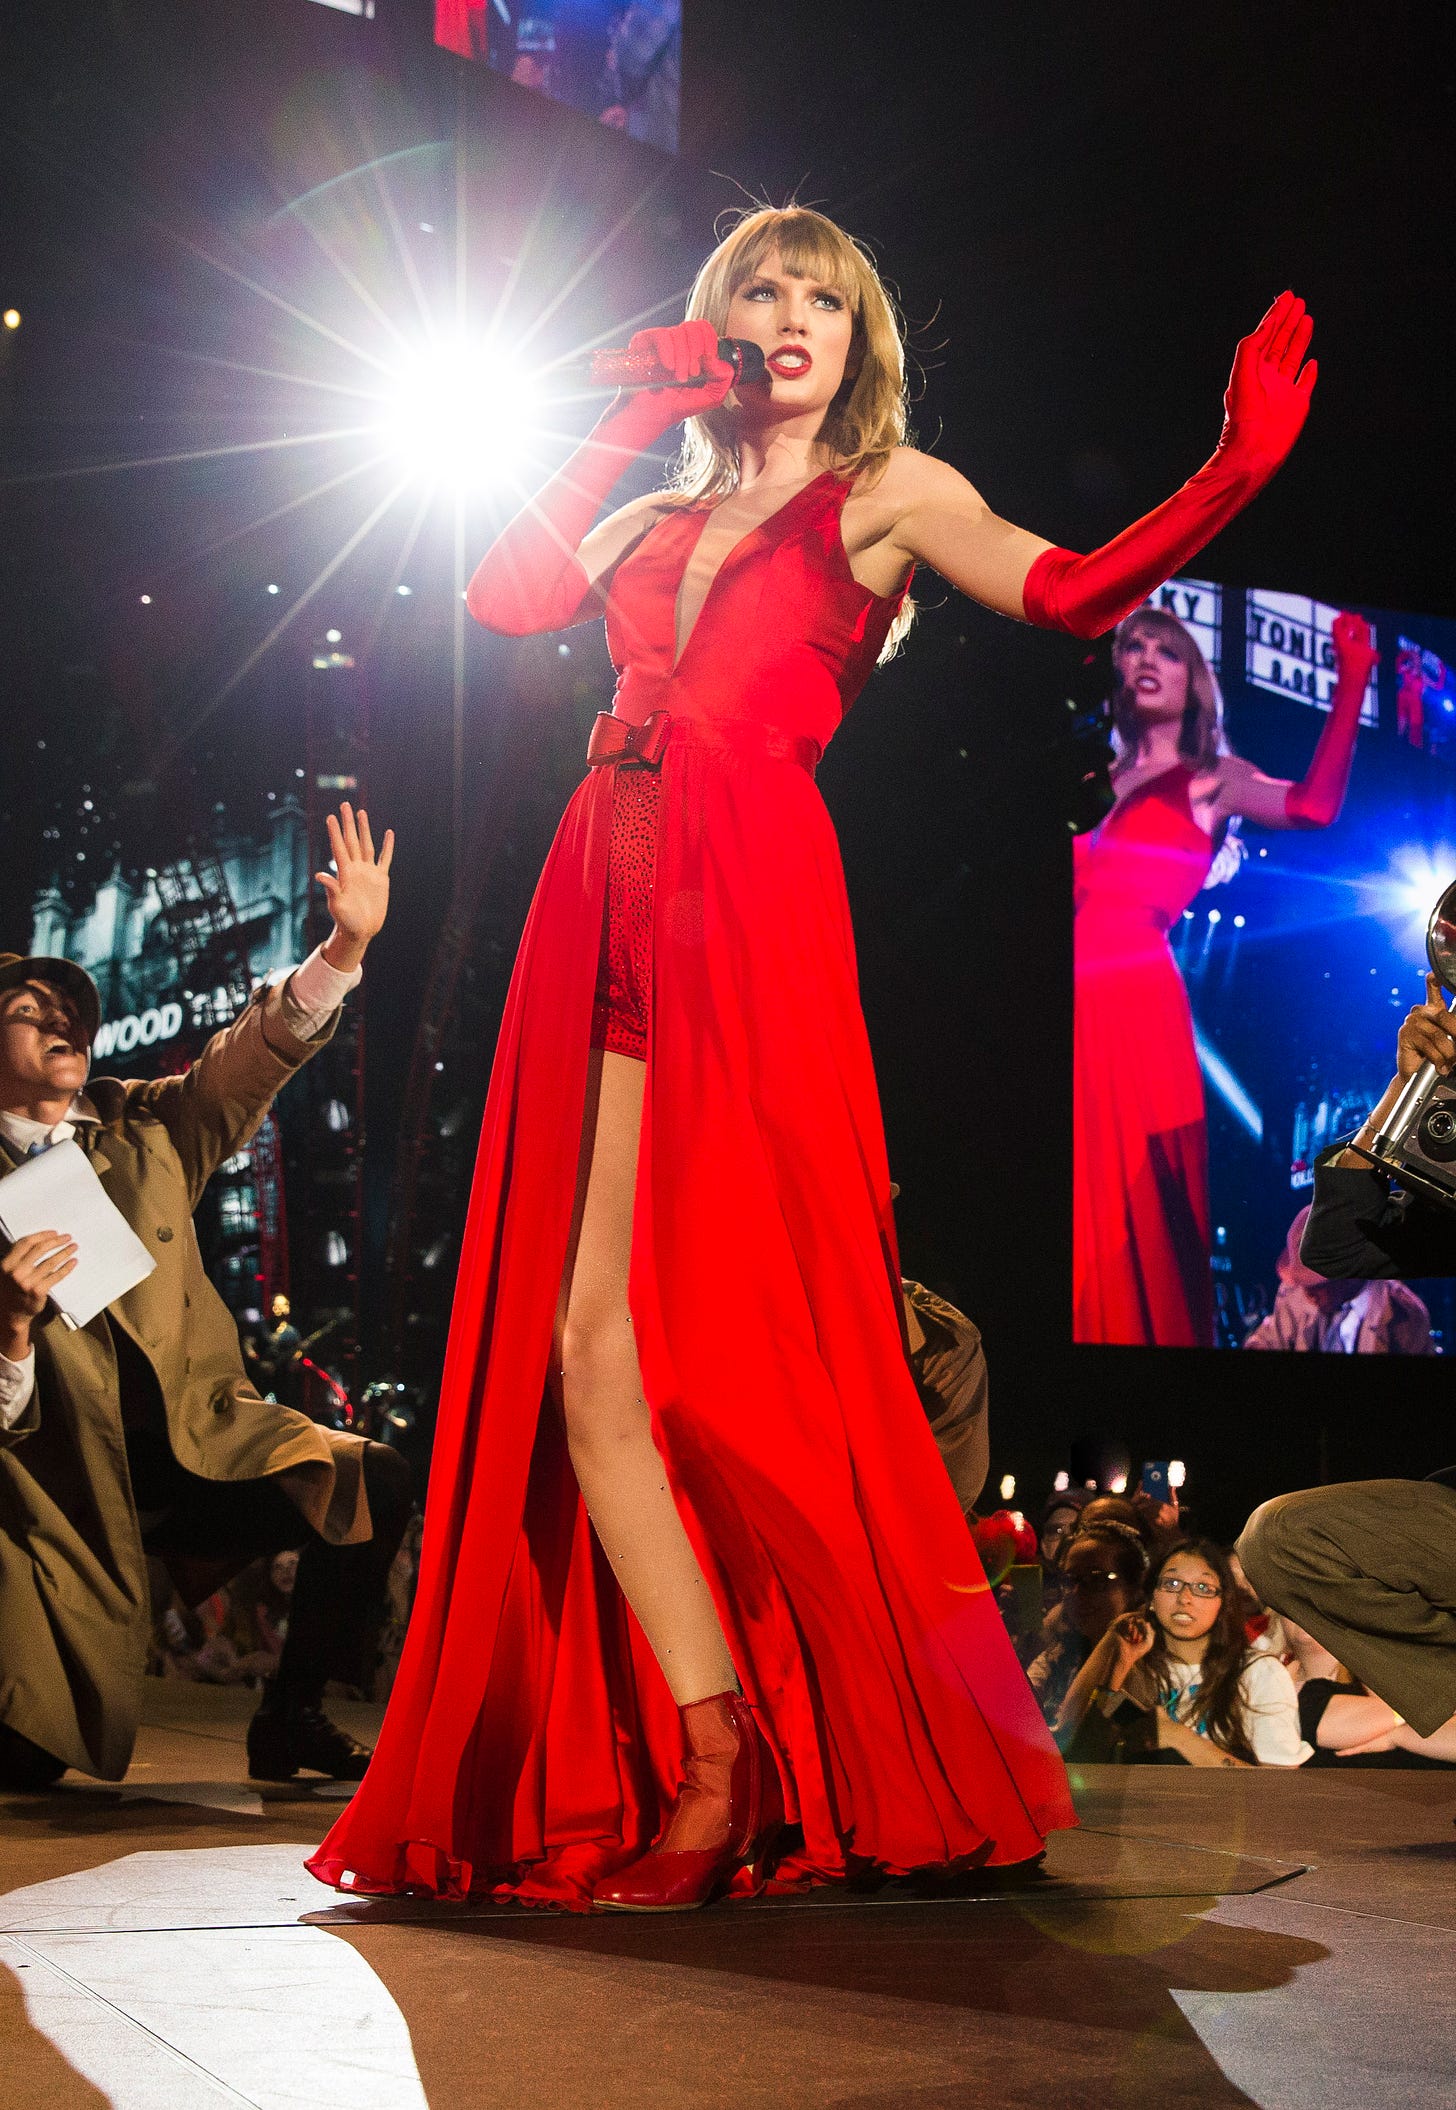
[530, 1740]
[1140, 1223]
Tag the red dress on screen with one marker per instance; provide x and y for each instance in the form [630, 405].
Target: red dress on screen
[531, 1735]
[1140, 1241]
[460, 26]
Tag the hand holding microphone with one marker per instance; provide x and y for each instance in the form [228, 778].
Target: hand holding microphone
[655, 359]
[666, 375]
[530, 579]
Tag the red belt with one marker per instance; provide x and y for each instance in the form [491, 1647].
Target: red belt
[617, 744]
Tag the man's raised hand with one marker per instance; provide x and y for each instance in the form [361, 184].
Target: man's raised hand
[357, 888]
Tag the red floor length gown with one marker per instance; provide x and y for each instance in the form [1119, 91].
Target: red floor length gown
[530, 1735]
[1140, 1243]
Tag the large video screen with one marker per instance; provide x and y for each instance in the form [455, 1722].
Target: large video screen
[620, 61]
[176, 950]
[1249, 936]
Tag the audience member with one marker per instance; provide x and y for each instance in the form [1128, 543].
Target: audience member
[248, 1643]
[1102, 1571]
[1060, 1517]
[1157, 1524]
[399, 1596]
[233, 1637]
[1213, 1700]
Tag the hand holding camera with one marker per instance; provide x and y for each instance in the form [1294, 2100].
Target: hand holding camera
[1428, 1034]
[1412, 1133]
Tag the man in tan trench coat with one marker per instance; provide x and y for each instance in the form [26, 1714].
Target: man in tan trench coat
[140, 1433]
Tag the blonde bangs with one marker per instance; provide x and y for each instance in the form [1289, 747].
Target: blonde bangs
[811, 248]
[868, 419]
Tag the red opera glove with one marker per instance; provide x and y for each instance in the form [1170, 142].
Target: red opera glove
[529, 580]
[1265, 406]
[1316, 800]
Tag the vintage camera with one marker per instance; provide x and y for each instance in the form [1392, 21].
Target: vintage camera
[1417, 1145]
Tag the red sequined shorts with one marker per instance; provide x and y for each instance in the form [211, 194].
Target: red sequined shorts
[624, 969]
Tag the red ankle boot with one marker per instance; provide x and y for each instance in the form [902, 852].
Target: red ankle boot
[729, 1812]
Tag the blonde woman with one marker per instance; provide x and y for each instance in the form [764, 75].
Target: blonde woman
[696, 1598]
[1140, 1218]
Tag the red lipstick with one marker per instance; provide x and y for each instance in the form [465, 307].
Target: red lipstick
[789, 361]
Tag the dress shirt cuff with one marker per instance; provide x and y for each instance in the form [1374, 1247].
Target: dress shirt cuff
[313, 993]
[17, 1384]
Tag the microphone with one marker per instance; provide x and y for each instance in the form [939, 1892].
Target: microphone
[633, 370]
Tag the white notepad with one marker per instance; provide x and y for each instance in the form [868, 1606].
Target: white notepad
[59, 1191]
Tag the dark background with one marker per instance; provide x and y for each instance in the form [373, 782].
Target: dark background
[1082, 209]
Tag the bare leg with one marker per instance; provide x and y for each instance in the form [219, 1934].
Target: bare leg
[608, 1425]
[1389, 1732]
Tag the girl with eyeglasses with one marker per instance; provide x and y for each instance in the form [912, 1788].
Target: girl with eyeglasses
[1214, 1700]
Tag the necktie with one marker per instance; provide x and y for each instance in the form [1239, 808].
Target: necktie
[36, 1148]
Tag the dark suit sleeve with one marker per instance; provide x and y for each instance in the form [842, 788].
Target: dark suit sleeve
[1362, 1229]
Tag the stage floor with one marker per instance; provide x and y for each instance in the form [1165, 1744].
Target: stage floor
[1287, 1940]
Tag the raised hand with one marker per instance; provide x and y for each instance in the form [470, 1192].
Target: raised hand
[1265, 404]
[1132, 1637]
[357, 888]
[1355, 652]
[1267, 398]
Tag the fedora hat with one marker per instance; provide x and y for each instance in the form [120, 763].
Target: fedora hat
[61, 974]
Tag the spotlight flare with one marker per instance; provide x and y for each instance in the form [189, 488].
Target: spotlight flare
[461, 415]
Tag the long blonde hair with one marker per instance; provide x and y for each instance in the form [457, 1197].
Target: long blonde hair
[868, 418]
[1201, 737]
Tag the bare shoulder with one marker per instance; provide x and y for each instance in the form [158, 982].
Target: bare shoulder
[910, 486]
[914, 479]
[1230, 771]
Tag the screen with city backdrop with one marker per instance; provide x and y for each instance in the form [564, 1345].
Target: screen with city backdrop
[1240, 980]
[177, 949]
